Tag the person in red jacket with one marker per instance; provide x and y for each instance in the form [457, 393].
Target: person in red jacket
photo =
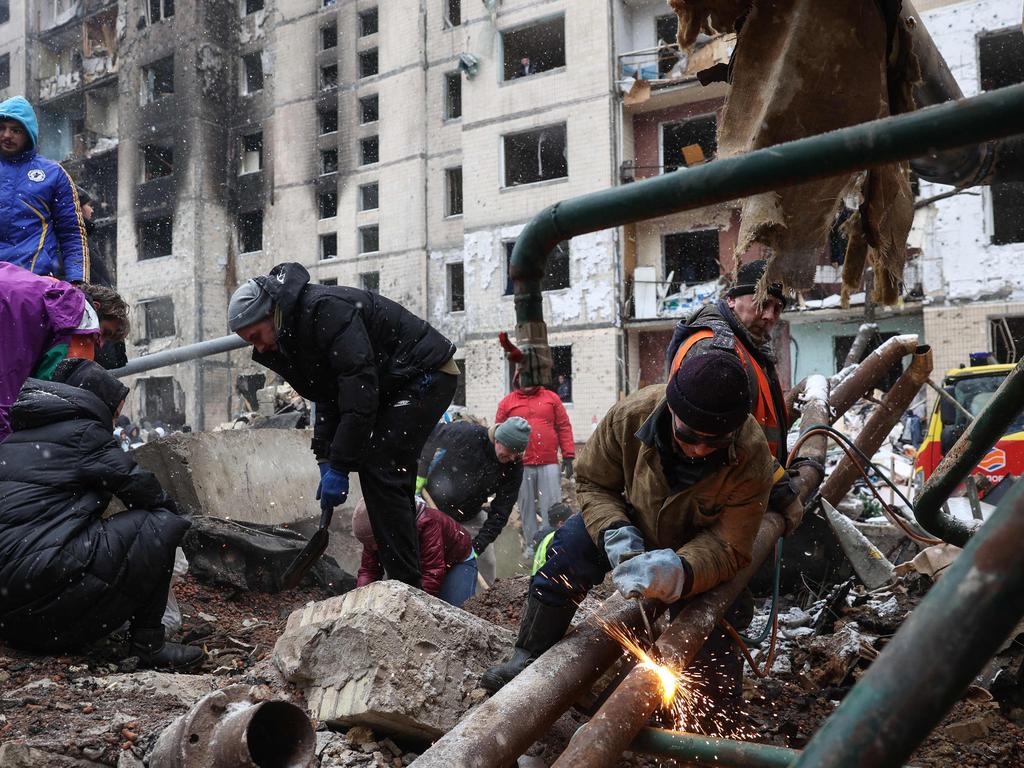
[447, 559]
[550, 431]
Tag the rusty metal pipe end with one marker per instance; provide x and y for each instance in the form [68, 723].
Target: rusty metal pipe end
[272, 734]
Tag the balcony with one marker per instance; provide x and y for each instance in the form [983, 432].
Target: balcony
[665, 66]
[652, 300]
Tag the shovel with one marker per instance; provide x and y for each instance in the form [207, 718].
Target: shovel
[309, 554]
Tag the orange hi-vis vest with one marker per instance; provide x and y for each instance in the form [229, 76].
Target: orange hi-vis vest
[764, 409]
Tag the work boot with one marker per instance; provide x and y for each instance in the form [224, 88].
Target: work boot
[540, 628]
[155, 653]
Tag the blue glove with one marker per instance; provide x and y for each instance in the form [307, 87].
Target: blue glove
[333, 488]
[323, 466]
[661, 574]
[623, 543]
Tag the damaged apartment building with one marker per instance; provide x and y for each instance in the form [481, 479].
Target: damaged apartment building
[402, 149]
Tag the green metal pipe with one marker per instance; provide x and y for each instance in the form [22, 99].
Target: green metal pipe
[708, 750]
[962, 621]
[990, 115]
[981, 434]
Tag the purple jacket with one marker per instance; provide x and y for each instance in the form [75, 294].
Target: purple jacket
[36, 313]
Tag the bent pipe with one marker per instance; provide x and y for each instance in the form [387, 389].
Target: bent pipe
[180, 355]
[710, 750]
[869, 372]
[976, 441]
[994, 114]
[958, 626]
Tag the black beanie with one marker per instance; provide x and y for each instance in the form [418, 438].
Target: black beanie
[710, 393]
[747, 279]
[87, 375]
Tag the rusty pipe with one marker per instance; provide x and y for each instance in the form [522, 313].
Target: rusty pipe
[791, 398]
[860, 343]
[602, 740]
[869, 372]
[231, 728]
[505, 725]
[880, 424]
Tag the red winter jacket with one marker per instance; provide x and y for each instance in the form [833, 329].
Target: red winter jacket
[549, 424]
[443, 544]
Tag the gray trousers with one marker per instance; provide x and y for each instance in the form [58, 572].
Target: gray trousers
[542, 487]
[487, 563]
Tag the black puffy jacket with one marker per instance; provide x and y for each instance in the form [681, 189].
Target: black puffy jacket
[349, 351]
[67, 576]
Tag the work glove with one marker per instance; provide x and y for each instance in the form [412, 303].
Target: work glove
[794, 515]
[567, 467]
[421, 483]
[622, 543]
[661, 575]
[333, 488]
[323, 466]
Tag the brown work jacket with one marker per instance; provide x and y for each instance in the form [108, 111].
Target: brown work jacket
[711, 524]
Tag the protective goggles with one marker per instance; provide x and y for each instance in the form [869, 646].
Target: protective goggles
[686, 435]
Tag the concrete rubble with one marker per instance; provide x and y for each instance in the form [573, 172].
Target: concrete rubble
[390, 657]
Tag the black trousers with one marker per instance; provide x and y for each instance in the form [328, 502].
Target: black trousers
[387, 473]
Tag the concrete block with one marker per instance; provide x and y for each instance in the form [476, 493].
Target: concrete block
[389, 657]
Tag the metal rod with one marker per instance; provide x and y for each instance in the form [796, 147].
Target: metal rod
[962, 621]
[505, 725]
[943, 394]
[880, 424]
[860, 343]
[869, 372]
[180, 355]
[979, 437]
[710, 750]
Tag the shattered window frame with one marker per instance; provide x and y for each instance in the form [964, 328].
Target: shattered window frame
[157, 162]
[702, 129]
[1007, 336]
[519, 143]
[249, 231]
[328, 246]
[327, 204]
[452, 13]
[157, 80]
[370, 281]
[155, 238]
[328, 161]
[369, 196]
[329, 77]
[251, 148]
[252, 77]
[368, 22]
[527, 51]
[455, 282]
[368, 63]
[692, 249]
[328, 36]
[159, 10]
[452, 95]
[453, 192]
[369, 239]
[157, 315]
[369, 109]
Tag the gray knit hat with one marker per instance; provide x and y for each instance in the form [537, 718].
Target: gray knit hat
[514, 434]
[249, 304]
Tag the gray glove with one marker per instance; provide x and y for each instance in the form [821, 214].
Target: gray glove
[623, 543]
[661, 574]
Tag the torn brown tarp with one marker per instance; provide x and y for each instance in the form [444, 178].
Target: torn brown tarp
[801, 68]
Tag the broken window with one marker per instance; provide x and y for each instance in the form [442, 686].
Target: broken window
[157, 318]
[328, 77]
[1001, 63]
[5, 71]
[368, 109]
[158, 80]
[535, 48]
[459, 398]
[456, 287]
[453, 190]
[688, 142]
[691, 258]
[536, 155]
[368, 22]
[329, 281]
[251, 6]
[1007, 338]
[368, 63]
[157, 162]
[155, 237]
[250, 232]
[162, 400]
[328, 247]
[452, 95]
[328, 121]
[160, 9]
[328, 204]
[665, 29]
[252, 154]
[369, 150]
[561, 372]
[370, 281]
[328, 161]
[328, 37]
[556, 272]
[368, 196]
[247, 385]
[252, 73]
[369, 239]
[5, 11]
[452, 12]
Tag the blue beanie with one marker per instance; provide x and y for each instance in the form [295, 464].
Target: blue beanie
[18, 108]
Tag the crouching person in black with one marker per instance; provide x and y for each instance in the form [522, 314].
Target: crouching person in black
[68, 576]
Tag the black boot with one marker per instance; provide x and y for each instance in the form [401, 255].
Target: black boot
[155, 653]
[540, 628]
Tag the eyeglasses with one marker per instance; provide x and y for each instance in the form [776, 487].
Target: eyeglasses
[686, 435]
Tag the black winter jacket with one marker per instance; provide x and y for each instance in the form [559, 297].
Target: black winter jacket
[67, 576]
[463, 471]
[349, 351]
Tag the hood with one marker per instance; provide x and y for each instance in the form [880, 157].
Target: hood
[46, 402]
[285, 283]
[18, 108]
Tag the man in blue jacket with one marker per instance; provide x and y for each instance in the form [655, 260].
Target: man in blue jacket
[41, 225]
